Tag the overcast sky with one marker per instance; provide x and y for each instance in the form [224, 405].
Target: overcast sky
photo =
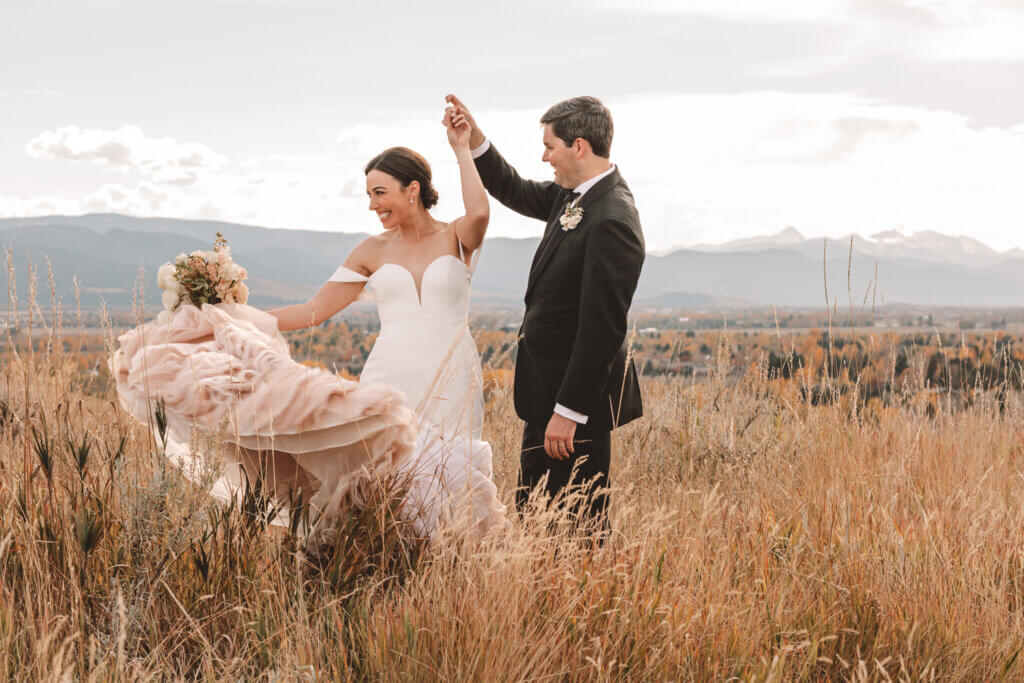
[732, 118]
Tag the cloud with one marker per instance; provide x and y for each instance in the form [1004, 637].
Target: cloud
[354, 187]
[36, 206]
[737, 165]
[129, 149]
[142, 199]
[181, 177]
[835, 139]
[991, 34]
[938, 31]
[783, 11]
[703, 168]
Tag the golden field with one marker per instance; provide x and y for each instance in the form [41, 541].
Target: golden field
[760, 533]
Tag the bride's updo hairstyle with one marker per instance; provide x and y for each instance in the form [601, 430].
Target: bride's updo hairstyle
[405, 166]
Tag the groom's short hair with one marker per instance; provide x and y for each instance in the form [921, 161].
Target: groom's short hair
[582, 117]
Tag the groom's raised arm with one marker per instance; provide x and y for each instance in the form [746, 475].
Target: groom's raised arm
[528, 197]
[613, 257]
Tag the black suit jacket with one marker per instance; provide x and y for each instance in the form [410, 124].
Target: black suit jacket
[572, 347]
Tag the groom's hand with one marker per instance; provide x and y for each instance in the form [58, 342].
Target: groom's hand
[476, 136]
[558, 437]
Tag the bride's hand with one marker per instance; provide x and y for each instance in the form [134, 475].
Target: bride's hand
[458, 128]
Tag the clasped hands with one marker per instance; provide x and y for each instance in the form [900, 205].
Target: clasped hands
[458, 127]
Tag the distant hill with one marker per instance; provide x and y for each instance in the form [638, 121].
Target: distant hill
[927, 245]
[107, 251]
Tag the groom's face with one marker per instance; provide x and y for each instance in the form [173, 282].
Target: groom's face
[562, 157]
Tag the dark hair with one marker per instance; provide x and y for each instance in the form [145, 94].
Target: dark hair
[405, 166]
[582, 117]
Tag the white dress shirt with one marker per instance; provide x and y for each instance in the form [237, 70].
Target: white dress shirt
[478, 152]
[581, 189]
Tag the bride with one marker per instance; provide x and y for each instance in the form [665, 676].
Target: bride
[418, 271]
[319, 433]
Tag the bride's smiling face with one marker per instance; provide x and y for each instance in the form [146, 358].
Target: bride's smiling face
[389, 200]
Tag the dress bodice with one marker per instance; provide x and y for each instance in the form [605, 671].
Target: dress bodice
[424, 347]
[442, 297]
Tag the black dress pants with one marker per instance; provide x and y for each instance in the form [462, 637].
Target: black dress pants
[586, 471]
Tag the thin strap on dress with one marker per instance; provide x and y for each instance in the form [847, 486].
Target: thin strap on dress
[343, 274]
[472, 259]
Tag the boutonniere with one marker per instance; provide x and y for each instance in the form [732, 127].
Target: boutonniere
[571, 217]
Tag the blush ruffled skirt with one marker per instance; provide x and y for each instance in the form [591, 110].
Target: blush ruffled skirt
[227, 382]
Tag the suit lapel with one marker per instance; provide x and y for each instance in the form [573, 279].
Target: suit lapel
[554, 234]
[600, 189]
[540, 256]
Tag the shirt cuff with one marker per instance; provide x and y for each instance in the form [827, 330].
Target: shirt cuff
[569, 412]
[481, 150]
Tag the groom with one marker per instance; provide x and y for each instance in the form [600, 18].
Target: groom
[573, 381]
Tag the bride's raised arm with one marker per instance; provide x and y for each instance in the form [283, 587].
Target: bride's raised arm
[335, 295]
[471, 227]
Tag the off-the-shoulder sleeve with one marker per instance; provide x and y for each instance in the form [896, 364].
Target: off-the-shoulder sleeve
[343, 274]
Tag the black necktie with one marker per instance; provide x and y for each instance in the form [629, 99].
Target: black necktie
[571, 198]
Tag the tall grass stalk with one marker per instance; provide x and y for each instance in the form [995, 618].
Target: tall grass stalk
[757, 535]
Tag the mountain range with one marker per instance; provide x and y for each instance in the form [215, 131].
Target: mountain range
[926, 245]
[105, 254]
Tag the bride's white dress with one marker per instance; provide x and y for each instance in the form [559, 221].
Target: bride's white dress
[424, 347]
[425, 350]
[225, 375]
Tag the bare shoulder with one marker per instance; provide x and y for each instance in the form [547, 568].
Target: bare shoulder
[365, 256]
[451, 232]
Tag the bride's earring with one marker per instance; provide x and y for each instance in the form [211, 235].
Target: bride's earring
[411, 199]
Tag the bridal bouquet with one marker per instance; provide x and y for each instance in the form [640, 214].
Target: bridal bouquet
[202, 277]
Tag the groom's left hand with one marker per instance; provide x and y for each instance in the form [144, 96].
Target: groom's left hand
[558, 437]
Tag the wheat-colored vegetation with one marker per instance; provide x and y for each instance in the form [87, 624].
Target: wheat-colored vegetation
[765, 528]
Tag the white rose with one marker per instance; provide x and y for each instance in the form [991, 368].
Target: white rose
[170, 299]
[165, 277]
[241, 293]
[221, 288]
[224, 256]
[231, 272]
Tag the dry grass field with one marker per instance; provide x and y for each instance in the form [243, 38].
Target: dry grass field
[757, 536]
